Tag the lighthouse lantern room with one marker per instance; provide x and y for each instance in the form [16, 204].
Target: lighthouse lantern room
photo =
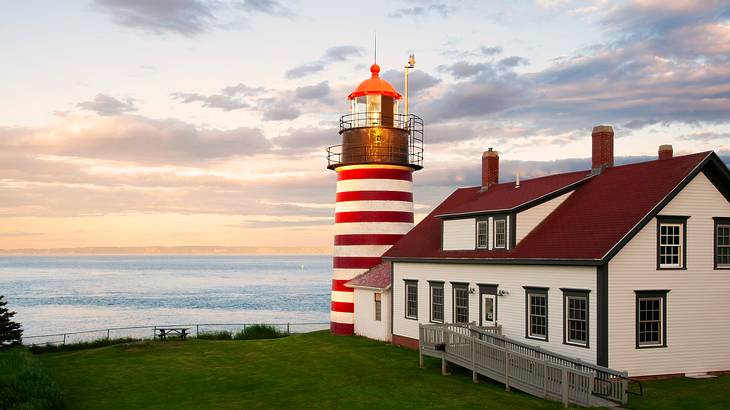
[375, 161]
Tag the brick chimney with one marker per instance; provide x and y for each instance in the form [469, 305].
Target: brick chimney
[602, 147]
[666, 151]
[490, 169]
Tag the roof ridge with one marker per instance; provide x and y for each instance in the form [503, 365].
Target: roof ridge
[522, 181]
[701, 153]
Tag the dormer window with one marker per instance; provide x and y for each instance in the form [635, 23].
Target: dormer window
[482, 234]
[500, 233]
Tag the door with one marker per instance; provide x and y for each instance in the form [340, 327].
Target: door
[489, 311]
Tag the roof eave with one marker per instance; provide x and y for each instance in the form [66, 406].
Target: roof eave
[498, 261]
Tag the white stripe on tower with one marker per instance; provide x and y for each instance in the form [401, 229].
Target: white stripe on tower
[374, 210]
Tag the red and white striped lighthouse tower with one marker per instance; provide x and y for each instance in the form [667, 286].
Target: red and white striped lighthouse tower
[380, 149]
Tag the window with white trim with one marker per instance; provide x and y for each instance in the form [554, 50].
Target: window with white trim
[575, 321]
[651, 318]
[437, 302]
[482, 234]
[412, 299]
[378, 306]
[500, 233]
[461, 303]
[537, 313]
[671, 239]
[722, 245]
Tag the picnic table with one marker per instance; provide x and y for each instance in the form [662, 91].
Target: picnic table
[163, 332]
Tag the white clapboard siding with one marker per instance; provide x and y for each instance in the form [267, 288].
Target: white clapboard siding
[698, 329]
[528, 219]
[365, 323]
[510, 308]
[459, 234]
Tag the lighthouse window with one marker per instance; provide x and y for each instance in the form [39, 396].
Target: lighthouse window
[412, 299]
[373, 109]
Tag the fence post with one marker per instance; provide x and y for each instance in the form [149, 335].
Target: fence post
[154, 332]
[507, 359]
[107, 335]
[64, 339]
[197, 331]
[564, 385]
[544, 378]
[287, 328]
[473, 362]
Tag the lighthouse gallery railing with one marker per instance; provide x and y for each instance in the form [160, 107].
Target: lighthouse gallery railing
[411, 123]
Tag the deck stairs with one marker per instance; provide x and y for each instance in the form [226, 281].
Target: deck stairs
[533, 370]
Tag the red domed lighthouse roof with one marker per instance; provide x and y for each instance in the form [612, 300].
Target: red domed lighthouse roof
[374, 86]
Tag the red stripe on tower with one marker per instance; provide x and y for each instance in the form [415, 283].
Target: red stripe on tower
[374, 196]
[373, 216]
[375, 173]
[371, 239]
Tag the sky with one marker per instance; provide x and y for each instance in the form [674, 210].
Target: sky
[205, 122]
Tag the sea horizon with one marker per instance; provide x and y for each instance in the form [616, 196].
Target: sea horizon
[70, 293]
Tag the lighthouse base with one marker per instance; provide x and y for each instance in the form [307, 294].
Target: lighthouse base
[342, 329]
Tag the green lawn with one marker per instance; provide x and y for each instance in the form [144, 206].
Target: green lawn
[312, 370]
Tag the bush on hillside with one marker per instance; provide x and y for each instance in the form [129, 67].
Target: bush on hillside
[24, 384]
[11, 333]
[48, 348]
[217, 335]
[259, 332]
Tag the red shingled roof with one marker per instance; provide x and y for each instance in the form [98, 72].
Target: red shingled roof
[377, 277]
[586, 226]
[506, 196]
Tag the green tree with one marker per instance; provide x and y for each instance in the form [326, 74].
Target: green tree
[11, 332]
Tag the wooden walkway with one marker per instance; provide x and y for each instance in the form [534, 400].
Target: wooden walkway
[527, 368]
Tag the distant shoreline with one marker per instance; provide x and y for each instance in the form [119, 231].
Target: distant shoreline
[170, 251]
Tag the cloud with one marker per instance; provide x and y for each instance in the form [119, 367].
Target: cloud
[186, 17]
[106, 105]
[513, 61]
[19, 233]
[663, 63]
[270, 7]
[136, 139]
[422, 8]
[274, 105]
[418, 81]
[331, 55]
[706, 136]
[229, 98]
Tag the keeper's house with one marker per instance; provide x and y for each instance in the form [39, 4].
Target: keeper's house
[625, 266]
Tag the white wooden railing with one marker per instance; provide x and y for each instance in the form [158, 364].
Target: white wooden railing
[532, 370]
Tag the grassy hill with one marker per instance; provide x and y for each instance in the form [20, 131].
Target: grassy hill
[314, 370]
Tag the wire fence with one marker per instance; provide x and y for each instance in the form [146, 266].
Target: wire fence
[150, 332]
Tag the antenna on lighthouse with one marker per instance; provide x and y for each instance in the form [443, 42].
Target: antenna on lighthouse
[411, 64]
[375, 57]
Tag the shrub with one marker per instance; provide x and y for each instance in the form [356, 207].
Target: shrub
[11, 332]
[49, 348]
[259, 332]
[24, 383]
[217, 335]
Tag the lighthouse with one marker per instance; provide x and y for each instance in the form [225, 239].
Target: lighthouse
[379, 151]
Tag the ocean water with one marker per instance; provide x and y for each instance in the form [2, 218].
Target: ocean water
[75, 293]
